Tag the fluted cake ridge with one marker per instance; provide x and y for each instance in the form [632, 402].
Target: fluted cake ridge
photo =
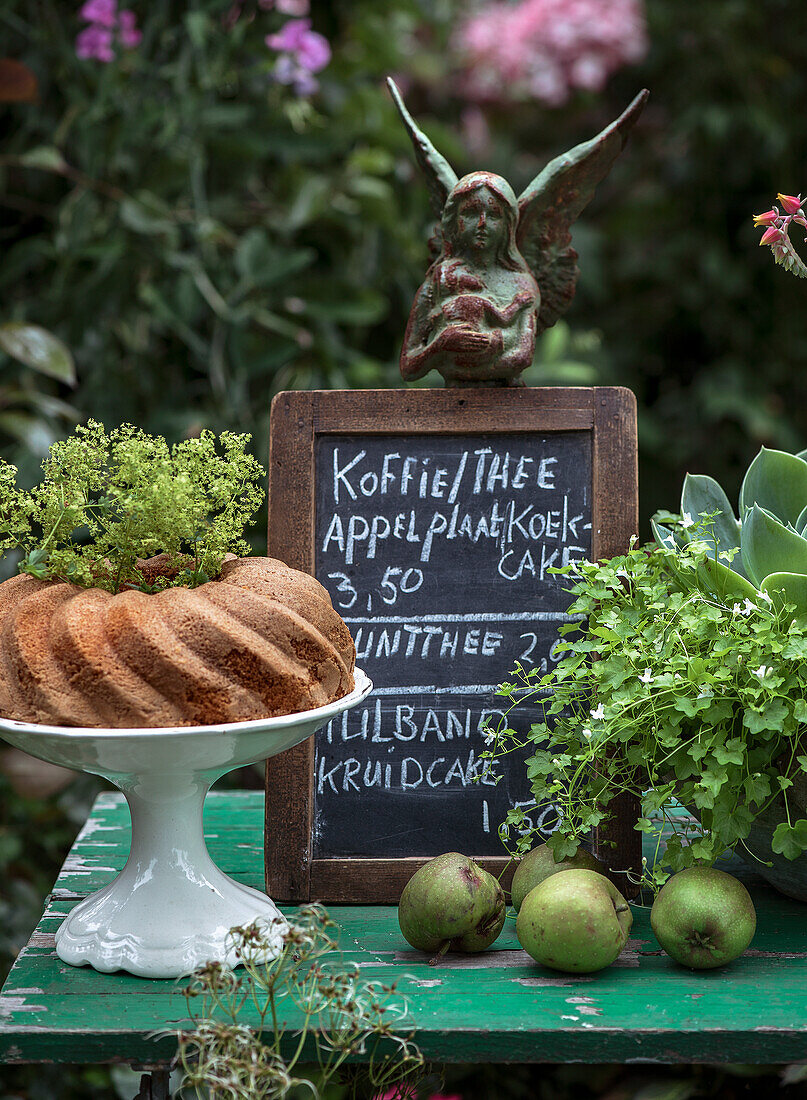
[259, 641]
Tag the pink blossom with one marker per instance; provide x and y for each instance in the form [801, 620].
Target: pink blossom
[302, 53]
[545, 49]
[95, 42]
[108, 27]
[314, 52]
[791, 203]
[771, 235]
[128, 34]
[768, 218]
[103, 12]
[290, 35]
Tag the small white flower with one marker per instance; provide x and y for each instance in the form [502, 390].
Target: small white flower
[736, 610]
[764, 596]
[706, 692]
[749, 606]
[633, 540]
[587, 734]
[647, 676]
[687, 520]
[490, 738]
[763, 671]
[598, 713]
[622, 573]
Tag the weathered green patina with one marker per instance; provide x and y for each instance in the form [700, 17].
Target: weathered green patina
[497, 1007]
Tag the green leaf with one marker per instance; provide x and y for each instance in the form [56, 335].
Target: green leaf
[364, 307]
[147, 215]
[563, 847]
[772, 717]
[730, 753]
[702, 494]
[38, 349]
[45, 157]
[777, 481]
[757, 787]
[663, 536]
[261, 264]
[789, 588]
[724, 582]
[790, 840]
[769, 547]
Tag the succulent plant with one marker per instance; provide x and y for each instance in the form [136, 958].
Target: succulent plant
[761, 554]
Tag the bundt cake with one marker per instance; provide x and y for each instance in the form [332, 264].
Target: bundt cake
[260, 640]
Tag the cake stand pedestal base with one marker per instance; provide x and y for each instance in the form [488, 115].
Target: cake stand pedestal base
[170, 909]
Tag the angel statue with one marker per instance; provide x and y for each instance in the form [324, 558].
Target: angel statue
[506, 269]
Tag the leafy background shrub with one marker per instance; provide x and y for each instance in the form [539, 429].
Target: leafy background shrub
[200, 237]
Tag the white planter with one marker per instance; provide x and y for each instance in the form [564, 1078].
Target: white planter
[170, 909]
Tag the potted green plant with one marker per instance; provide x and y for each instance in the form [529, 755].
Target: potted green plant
[684, 684]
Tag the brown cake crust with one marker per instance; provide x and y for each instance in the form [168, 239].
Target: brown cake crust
[260, 640]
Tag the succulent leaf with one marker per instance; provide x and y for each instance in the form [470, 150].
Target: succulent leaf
[725, 583]
[702, 494]
[769, 547]
[787, 588]
[801, 522]
[663, 536]
[776, 481]
[802, 455]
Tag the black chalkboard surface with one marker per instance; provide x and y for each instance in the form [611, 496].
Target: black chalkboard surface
[432, 517]
[435, 549]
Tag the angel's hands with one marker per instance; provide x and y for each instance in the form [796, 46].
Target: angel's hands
[465, 338]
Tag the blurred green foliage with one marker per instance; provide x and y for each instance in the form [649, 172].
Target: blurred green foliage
[200, 238]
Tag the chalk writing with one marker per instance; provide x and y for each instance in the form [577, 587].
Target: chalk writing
[437, 551]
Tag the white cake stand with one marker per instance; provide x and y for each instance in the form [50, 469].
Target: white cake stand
[170, 909]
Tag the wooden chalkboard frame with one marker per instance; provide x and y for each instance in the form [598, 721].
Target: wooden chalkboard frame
[297, 419]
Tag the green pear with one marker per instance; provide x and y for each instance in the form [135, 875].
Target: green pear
[539, 863]
[576, 921]
[703, 917]
[451, 902]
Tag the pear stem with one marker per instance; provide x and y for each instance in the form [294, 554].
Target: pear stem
[444, 946]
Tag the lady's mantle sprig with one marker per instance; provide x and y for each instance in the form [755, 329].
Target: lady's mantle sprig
[777, 232]
[109, 500]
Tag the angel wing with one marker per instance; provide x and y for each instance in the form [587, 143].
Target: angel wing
[552, 203]
[440, 176]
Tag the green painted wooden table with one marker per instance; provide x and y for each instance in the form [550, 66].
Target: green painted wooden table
[495, 1007]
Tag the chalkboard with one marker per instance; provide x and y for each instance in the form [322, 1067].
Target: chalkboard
[432, 517]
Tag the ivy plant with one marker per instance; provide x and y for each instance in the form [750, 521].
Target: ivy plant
[671, 693]
[109, 500]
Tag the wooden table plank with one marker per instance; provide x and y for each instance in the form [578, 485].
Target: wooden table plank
[498, 1006]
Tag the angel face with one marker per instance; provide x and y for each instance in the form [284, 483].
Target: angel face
[479, 220]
